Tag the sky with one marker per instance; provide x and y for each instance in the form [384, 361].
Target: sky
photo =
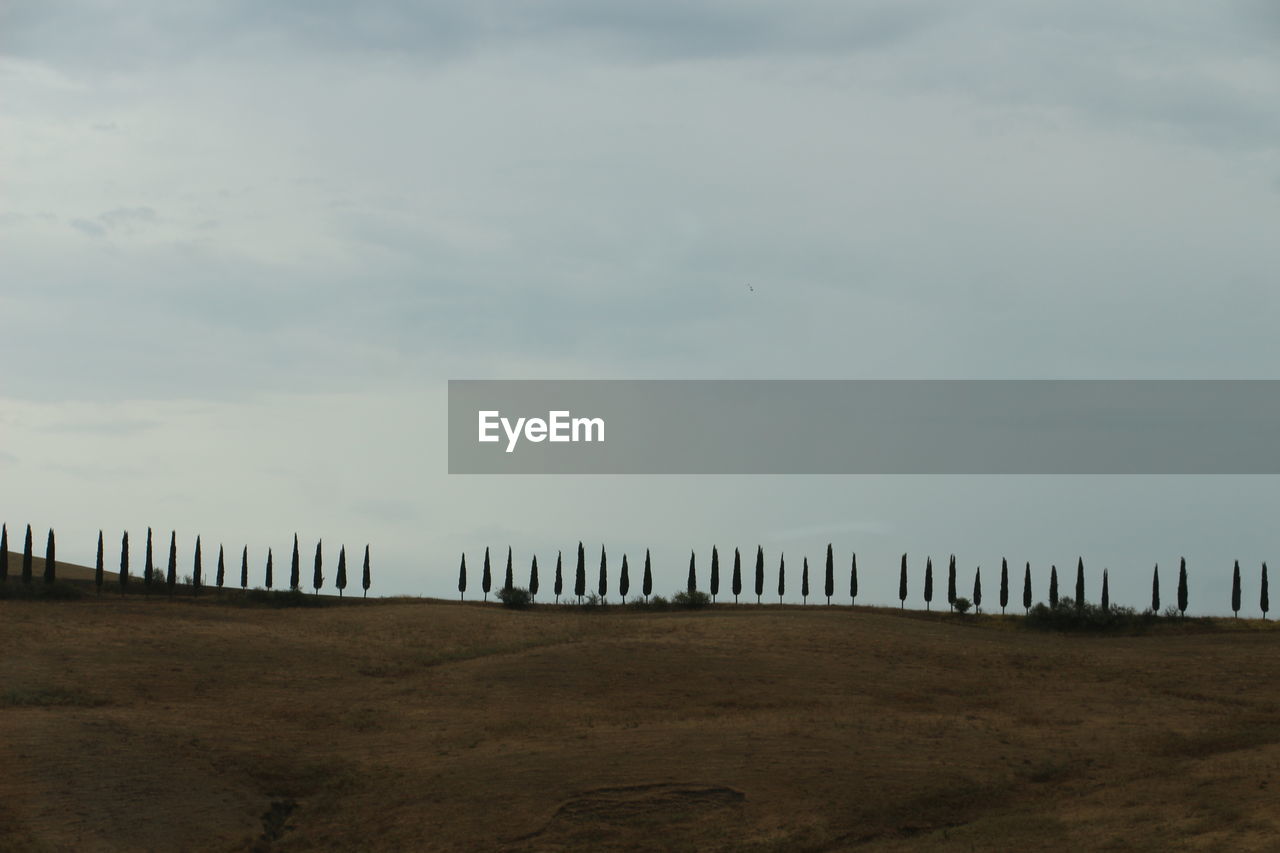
[244, 246]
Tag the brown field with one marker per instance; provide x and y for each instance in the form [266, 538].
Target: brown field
[128, 724]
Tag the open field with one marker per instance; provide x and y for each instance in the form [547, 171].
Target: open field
[155, 725]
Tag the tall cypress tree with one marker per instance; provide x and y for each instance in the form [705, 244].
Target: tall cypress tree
[902, 584]
[693, 576]
[486, 577]
[804, 582]
[1235, 591]
[172, 577]
[195, 572]
[1080, 584]
[1004, 584]
[1026, 589]
[149, 567]
[604, 577]
[647, 584]
[317, 575]
[99, 566]
[244, 568]
[1106, 593]
[782, 576]
[124, 561]
[341, 582]
[737, 575]
[580, 576]
[462, 578]
[508, 580]
[533, 579]
[759, 572]
[624, 580]
[1155, 590]
[559, 585]
[1182, 587]
[366, 581]
[1053, 586]
[269, 580]
[928, 582]
[222, 567]
[26, 557]
[295, 567]
[951, 583]
[715, 573]
[50, 564]
[1264, 599]
[853, 580]
[977, 590]
[829, 582]
[4, 553]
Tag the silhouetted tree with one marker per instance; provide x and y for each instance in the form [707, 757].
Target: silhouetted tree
[782, 576]
[1106, 593]
[533, 578]
[829, 582]
[366, 581]
[124, 561]
[1004, 584]
[604, 577]
[195, 573]
[244, 568]
[804, 582]
[295, 567]
[559, 584]
[1182, 587]
[1053, 586]
[4, 553]
[269, 580]
[928, 582]
[317, 575]
[1155, 589]
[1264, 600]
[580, 577]
[646, 586]
[737, 575]
[148, 568]
[977, 590]
[222, 567]
[50, 565]
[26, 557]
[902, 584]
[341, 582]
[759, 572]
[486, 577]
[715, 573]
[853, 580]
[624, 580]
[98, 566]
[951, 583]
[462, 578]
[692, 582]
[508, 581]
[1080, 584]
[1235, 590]
[1026, 589]
[171, 578]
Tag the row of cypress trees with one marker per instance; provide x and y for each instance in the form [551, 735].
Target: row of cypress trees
[624, 580]
[151, 574]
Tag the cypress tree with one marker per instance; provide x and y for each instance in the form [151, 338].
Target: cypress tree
[1264, 600]
[951, 583]
[804, 582]
[172, 578]
[829, 583]
[715, 573]
[902, 584]
[341, 583]
[222, 568]
[26, 557]
[853, 580]
[269, 579]
[782, 576]
[462, 578]
[1235, 590]
[317, 575]
[366, 581]
[647, 584]
[559, 586]
[124, 561]
[624, 580]
[737, 575]
[1155, 590]
[759, 572]
[149, 567]
[1053, 586]
[4, 553]
[604, 577]
[98, 566]
[533, 579]
[1026, 589]
[508, 582]
[1182, 587]
[486, 577]
[1004, 584]
[1106, 593]
[977, 590]
[295, 576]
[928, 582]
[1080, 584]
[693, 576]
[195, 573]
[580, 576]
[50, 565]
[244, 568]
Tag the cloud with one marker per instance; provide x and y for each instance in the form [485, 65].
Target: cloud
[88, 227]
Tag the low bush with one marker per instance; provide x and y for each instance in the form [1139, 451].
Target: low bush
[515, 597]
[691, 600]
[259, 597]
[962, 605]
[38, 589]
[1088, 617]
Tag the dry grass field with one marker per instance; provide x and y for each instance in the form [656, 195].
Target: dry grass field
[128, 724]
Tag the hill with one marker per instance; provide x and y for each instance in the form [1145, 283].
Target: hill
[132, 724]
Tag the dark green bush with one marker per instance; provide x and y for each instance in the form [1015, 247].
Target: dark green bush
[1088, 617]
[259, 597]
[691, 599]
[515, 597]
[962, 605]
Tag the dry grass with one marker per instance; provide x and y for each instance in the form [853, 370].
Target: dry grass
[158, 725]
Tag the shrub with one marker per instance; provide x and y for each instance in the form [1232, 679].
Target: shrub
[56, 591]
[514, 597]
[259, 597]
[962, 605]
[1066, 616]
[694, 599]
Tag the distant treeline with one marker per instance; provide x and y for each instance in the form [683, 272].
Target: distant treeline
[599, 593]
[153, 576]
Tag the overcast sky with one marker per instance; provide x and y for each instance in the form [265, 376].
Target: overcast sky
[243, 246]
